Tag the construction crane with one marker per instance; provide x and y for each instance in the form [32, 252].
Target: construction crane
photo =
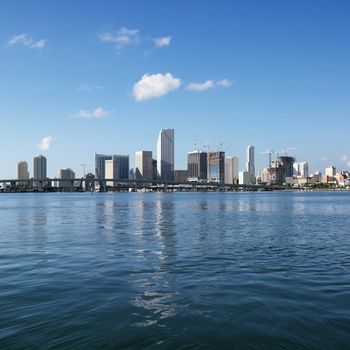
[209, 147]
[84, 165]
[269, 151]
[284, 151]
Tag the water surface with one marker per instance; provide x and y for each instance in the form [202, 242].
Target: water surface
[175, 271]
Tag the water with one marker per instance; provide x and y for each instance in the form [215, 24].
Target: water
[175, 271]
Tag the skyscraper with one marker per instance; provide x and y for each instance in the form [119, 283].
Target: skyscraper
[250, 165]
[40, 167]
[216, 167]
[301, 169]
[100, 165]
[22, 170]
[197, 165]
[165, 155]
[143, 165]
[231, 170]
[117, 169]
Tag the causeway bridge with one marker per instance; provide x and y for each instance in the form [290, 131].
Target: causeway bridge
[97, 185]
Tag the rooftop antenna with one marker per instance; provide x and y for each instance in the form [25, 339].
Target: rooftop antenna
[195, 143]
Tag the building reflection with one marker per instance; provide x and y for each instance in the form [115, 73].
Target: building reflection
[156, 298]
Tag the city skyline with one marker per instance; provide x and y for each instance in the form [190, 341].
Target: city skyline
[107, 81]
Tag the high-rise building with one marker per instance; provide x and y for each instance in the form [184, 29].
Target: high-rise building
[250, 165]
[143, 165]
[165, 155]
[197, 165]
[301, 169]
[244, 178]
[117, 169]
[231, 170]
[216, 166]
[68, 175]
[286, 163]
[331, 171]
[100, 160]
[40, 167]
[22, 170]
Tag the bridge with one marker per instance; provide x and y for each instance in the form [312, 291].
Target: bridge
[91, 184]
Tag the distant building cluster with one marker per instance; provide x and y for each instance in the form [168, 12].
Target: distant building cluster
[202, 167]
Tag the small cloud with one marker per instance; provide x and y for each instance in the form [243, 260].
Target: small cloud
[209, 84]
[155, 85]
[224, 83]
[123, 37]
[348, 164]
[27, 41]
[162, 41]
[88, 87]
[324, 159]
[45, 143]
[344, 158]
[89, 114]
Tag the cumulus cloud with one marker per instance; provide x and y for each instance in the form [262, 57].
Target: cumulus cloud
[344, 158]
[123, 37]
[162, 41]
[26, 40]
[324, 159]
[209, 84]
[45, 143]
[88, 114]
[348, 164]
[155, 85]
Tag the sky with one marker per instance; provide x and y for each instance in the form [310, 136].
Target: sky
[83, 77]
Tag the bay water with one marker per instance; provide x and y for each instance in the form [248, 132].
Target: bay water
[267, 270]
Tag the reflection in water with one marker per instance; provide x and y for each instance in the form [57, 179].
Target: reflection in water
[157, 295]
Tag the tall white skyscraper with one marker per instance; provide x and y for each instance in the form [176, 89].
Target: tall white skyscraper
[22, 170]
[40, 167]
[165, 154]
[250, 165]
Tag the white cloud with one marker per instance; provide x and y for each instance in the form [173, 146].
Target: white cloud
[324, 159]
[122, 38]
[162, 41]
[88, 114]
[88, 87]
[155, 85]
[224, 83]
[344, 158]
[26, 40]
[209, 84]
[348, 164]
[45, 143]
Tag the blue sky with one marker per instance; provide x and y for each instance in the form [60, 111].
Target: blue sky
[79, 77]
